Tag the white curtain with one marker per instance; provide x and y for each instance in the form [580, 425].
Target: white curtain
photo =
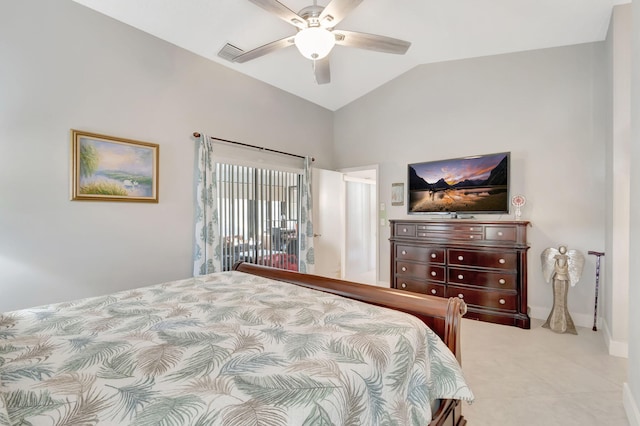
[307, 259]
[207, 256]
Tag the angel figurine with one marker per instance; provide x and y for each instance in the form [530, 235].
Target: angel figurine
[563, 268]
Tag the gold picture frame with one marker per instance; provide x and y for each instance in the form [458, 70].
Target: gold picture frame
[106, 168]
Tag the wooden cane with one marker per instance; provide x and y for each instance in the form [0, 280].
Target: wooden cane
[595, 310]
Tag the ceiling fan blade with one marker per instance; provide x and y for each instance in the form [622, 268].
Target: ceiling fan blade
[336, 11]
[322, 70]
[263, 50]
[282, 12]
[371, 42]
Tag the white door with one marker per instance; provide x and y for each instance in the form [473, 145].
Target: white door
[328, 216]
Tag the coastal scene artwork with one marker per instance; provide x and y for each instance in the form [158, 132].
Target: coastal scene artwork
[106, 168]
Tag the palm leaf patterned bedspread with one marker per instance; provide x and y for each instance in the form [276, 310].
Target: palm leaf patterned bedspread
[227, 348]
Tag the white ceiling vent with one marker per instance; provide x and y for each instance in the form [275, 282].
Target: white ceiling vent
[229, 51]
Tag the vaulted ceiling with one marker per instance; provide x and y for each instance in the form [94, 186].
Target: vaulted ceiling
[438, 30]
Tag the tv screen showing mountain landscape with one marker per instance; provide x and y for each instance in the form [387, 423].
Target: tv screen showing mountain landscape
[478, 184]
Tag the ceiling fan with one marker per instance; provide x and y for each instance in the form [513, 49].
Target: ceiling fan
[317, 35]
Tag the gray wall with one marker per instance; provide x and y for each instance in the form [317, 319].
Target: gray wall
[545, 106]
[632, 397]
[65, 66]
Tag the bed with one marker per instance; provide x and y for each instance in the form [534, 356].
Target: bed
[252, 346]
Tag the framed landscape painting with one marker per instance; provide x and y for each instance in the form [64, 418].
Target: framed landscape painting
[105, 168]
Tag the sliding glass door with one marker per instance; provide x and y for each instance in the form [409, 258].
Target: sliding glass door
[258, 216]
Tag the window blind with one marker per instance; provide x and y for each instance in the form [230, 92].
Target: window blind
[258, 215]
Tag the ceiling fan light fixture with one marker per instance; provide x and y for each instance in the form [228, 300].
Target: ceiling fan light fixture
[314, 42]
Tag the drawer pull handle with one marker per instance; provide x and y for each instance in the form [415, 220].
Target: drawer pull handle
[502, 261]
[460, 257]
[403, 285]
[404, 252]
[460, 276]
[502, 281]
[471, 229]
[433, 255]
[404, 229]
[404, 269]
[433, 273]
[502, 301]
[461, 296]
[471, 236]
[500, 234]
[433, 291]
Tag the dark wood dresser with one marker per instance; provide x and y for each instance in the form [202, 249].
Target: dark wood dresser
[483, 263]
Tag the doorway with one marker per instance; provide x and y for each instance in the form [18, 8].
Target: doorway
[360, 254]
[345, 218]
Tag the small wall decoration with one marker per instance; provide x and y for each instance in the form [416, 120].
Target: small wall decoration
[518, 201]
[397, 194]
[105, 168]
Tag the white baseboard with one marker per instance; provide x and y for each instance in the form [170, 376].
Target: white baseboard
[616, 347]
[630, 406]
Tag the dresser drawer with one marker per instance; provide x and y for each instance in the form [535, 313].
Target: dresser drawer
[405, 230]
[489, 299]
[452, 236]
[449, 228]
[451, 232]
[420, 270]
[483, 259]
[420, 254]
[430, 288]
[501, 233]
[499, 280]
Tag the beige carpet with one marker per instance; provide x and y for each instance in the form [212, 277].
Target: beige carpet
[539, 378]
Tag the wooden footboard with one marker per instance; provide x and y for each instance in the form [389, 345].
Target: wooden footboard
[443, 316]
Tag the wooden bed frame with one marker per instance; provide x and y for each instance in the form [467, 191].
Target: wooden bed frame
[441, 315]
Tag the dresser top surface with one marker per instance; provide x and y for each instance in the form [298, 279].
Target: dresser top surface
[461, 221]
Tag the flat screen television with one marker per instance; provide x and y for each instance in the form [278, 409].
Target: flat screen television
[460, 186]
